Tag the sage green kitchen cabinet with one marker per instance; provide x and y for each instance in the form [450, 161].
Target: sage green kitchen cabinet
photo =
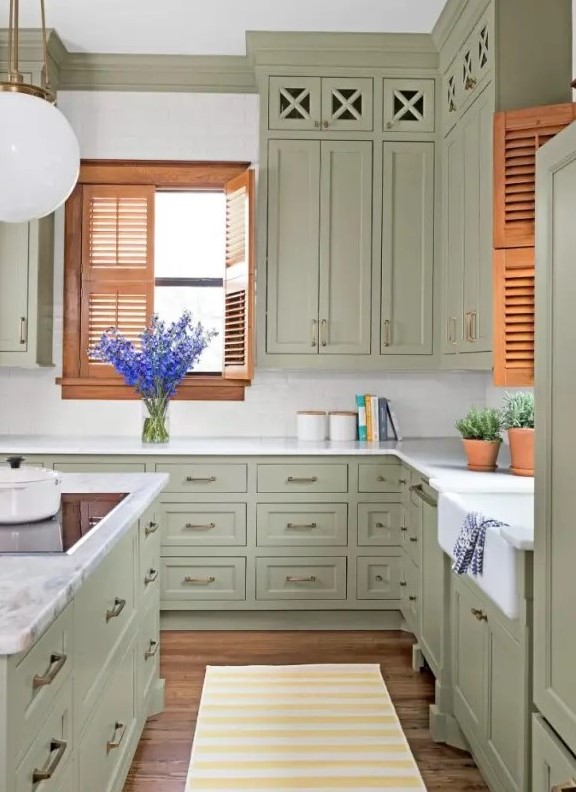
[555, 539]
[407, 248]
[408, 105]
[328, 104]
[453, 243]
[432, 605]
[553, 766]
[469, 647]
[26, 293]
[319, 247]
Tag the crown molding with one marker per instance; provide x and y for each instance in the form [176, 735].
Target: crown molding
[271, 49]
[454, 23]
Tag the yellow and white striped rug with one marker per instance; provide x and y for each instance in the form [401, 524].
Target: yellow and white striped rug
[306, 727]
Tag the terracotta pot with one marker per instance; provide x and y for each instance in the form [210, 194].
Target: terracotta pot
[482, 454]
[521, 451]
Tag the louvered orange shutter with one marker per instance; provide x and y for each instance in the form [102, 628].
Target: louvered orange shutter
[117, 265]
[518, 135]
[239, 278]
[514, 305]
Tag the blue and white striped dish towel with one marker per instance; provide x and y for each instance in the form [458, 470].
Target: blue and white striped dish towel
[469, 547]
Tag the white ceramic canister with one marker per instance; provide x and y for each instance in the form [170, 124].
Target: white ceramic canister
[343, 425]
[311, 425]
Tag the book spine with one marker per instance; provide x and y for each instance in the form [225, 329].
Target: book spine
[369, 426]
[375, 421]
[361, 405]
[394, 422]
[383, 418]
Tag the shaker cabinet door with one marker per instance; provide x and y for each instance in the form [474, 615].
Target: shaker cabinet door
[407, 249]
[453, 243]
[14, 249]
[293, 246]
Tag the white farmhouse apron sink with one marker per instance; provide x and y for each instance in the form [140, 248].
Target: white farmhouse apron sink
[498, 580]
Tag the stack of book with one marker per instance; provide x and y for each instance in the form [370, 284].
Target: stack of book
[376, 420]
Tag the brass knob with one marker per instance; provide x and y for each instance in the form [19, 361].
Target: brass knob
[412, 598]
[403, 583]
[325, 124]
[479, 614]
[379, 578]
[414, 539]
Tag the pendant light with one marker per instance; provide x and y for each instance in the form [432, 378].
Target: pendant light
[39, 153]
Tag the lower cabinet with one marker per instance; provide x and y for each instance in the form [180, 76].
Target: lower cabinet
[432, 606]
[553, 766]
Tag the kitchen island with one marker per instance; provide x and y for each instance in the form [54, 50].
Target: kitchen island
[79, 640]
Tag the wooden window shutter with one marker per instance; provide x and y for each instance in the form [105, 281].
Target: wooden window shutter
[518, 135]
[239, 278]
[514, 305]
[117, 279]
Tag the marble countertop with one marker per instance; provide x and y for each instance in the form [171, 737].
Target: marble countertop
[34, 590]
[440, 459]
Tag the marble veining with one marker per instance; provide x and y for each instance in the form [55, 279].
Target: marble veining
[34, 590]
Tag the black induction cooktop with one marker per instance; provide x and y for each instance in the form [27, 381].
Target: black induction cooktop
[79, 514]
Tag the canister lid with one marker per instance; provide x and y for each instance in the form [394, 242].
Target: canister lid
[342, 412]
[310, 412]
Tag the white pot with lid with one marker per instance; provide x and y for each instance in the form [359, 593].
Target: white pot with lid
[28, 494]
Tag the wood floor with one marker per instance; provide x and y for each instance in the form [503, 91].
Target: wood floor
[162, 759]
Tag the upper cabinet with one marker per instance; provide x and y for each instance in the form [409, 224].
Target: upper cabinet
[26, 293]
[408, 105]
[332, 104]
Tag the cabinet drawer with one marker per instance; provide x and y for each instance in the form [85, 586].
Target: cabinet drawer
[303, 478]
[37, 680]
[104, 610]
[205, 478]
[101, 467]
[378, 578]
[111, 732]
[51, 750]
[203, 579]
[203, 524]
[302, 525]
[379, 478]
[379, 524]
[148, 652]
[300, 578]
[552, 763]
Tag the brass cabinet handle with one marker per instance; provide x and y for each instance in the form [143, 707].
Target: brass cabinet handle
[293, 579]
[301, 526]
[200, 526]
[324, 332]
[302, 480]
[470, 84]
[325, 124]
[23, 334]
[316, 124]
[197, 479]
[386, 333]
[382, 479]
[380, 525]
[117, 737]
[473, 325]
[314, 332]
[412, 598]
[379, 578]
[402, 481]
[151, 528]
[479, 614]
[403, 583]
[414, 539]
[119, 605]
[451, 330]
[151, 577]
[201, 581]
[152, 650]
[418, 489]
[58, 748]
[57, 661]
[565, 786]
[404, 529]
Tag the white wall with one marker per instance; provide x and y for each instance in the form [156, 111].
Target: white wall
[201, 126]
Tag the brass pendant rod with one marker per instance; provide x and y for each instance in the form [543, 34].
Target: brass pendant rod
[46, 74]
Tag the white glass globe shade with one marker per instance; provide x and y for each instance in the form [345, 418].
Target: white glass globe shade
[39, 157]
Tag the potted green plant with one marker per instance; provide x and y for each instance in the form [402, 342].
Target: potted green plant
[518, 419]
[481, 434]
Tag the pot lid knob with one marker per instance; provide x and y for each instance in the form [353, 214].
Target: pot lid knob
[15, 461]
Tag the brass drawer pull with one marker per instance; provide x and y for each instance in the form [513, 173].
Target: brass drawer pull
[479, 614]
[119, 605]
[292, 579]
[201, 581]
[302, 527]
[471, 83]
[302, 480]
[418, 489]
[200, 526]
[152, 650]
[404, 529]
[473, 325]
[324, 332]
[58, 748]
[57, 661]
[22, 338]
[382, 479]
[386, 334]
[314, 333]
[380, 525]
[566, 786]
[402, 481]
[414, 539]
[403, 583]
[200, 479]
[151, 577]
[117, 737]
[151, 528]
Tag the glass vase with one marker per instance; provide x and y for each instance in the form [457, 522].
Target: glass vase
[155, 421]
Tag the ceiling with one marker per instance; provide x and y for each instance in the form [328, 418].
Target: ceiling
[213, 27]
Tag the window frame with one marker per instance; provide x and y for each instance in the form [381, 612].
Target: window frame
[171, 175]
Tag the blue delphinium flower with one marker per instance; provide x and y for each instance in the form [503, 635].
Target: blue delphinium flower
[158, 365]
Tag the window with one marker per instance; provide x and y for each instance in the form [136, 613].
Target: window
[159, 237]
